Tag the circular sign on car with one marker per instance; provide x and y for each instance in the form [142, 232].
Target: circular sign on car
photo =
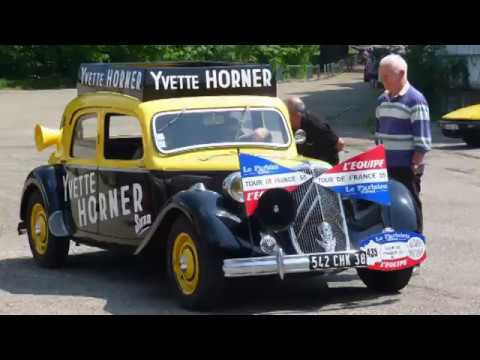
[416, 248]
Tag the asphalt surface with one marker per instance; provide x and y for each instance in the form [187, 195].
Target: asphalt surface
[100, 282]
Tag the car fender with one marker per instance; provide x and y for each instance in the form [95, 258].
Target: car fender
[48, 181]
[401, 215]
[200, 207]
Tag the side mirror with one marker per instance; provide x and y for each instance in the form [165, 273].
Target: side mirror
[300, 137]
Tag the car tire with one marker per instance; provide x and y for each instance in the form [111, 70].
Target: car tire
[473, 140]
[48, 250]
[385, 281]
[200, 285]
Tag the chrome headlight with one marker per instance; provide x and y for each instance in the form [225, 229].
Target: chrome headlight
[232, 186]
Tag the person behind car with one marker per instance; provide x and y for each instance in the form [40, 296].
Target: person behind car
[371, 68]
[403, 127]
[322, 143]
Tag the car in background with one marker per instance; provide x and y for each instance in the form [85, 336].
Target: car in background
[463, 123]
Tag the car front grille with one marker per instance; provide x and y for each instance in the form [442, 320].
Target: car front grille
[317, 205]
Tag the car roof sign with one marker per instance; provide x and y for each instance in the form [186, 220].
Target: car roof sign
[152, 81]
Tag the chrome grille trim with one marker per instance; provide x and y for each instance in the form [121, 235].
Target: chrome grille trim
[317, 204]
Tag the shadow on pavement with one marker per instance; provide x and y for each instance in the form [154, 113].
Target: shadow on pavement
[453, 147]
[129, 285]
[126, 284]
[297, 296]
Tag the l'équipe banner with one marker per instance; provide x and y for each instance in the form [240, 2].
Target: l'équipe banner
[364, 176]
[260, 174]
[393, 251]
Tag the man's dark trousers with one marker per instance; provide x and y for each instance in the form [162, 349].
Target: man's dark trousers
[412, 181]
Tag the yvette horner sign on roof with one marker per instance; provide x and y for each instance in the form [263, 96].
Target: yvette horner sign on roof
[150, 82]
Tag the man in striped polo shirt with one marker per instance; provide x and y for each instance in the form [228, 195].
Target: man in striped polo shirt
[403, 127]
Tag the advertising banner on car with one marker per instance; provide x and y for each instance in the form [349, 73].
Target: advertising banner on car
[364, 176]
[393, 251]
[260, 174]
[177, 79]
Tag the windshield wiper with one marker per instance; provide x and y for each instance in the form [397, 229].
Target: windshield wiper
[171, 122]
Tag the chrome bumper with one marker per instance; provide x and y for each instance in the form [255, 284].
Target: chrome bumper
[270, 265]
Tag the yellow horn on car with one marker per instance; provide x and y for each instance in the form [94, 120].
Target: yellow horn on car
[45, 137]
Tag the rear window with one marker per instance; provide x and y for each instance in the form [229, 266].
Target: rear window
[84, 139]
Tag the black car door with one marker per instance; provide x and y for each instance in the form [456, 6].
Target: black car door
[125, 201]
[81, 179]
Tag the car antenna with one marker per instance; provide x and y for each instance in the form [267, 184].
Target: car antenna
[171, 122]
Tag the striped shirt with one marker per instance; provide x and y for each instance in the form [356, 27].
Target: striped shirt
[403, 126]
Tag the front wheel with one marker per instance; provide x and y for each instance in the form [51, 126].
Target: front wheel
[48, 250]
[194, 268]
[385, 281]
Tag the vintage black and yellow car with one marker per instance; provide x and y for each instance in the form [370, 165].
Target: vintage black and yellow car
[147, 158]
[463, 123]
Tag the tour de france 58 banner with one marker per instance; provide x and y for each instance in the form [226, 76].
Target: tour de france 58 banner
[364, 176]
[260, 175]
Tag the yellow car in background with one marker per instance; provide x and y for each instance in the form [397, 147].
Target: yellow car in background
[463, 123]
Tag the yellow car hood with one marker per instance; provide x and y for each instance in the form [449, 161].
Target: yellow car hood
[466, 113]
[227, 160]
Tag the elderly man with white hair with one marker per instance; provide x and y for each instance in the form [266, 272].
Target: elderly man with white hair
[403, 127]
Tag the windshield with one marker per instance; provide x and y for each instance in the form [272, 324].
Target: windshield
[186, 129]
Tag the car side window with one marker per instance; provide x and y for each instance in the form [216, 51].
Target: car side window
[84, 141]
[123, 137]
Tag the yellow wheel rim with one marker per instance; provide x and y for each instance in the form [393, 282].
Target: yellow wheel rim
[39, 229]
[185, 263]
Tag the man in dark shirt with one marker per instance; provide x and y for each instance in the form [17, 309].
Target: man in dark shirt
[322, 142]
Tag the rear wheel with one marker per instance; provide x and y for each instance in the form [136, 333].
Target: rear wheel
[48, 250]
[472, 140]
[385, 281]
[194, 268]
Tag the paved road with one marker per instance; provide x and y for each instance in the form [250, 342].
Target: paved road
[99, 282]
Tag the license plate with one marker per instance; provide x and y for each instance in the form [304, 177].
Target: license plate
[451, 127]
[337, 260]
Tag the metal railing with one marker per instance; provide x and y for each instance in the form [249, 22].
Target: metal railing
[315, 72]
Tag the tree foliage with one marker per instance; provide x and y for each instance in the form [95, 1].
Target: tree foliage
[434, 72]
[37, 61]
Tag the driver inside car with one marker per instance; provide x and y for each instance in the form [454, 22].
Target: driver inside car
[228, 129]
[258, 135]
[231, 130]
